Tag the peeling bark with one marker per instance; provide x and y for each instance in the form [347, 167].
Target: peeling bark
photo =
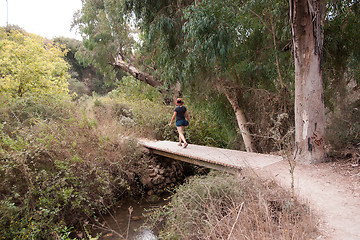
[306, 16]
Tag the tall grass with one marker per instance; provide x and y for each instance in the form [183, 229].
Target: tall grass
[221, 206]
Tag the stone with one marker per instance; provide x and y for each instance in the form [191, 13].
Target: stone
[157, 180]
[146, 181]
[153, 198]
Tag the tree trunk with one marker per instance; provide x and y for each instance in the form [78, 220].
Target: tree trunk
[241, 120]
[147, 78]
[135, 72]
[306, 17]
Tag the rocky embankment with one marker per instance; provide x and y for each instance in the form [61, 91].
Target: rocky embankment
[161, 174]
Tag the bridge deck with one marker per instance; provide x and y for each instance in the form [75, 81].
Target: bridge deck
[211, 157]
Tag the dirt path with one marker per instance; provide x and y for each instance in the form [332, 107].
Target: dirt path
[335, 198]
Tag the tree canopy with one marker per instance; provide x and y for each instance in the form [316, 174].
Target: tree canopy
[30, 64]
[238, 49]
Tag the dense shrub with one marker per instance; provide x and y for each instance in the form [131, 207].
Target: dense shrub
[220, 206]
[343, 131]
[143, 112]
[59, 168]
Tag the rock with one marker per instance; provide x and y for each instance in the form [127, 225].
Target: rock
[153, 174]
[157, 180]
[153, 198]
[146, 180]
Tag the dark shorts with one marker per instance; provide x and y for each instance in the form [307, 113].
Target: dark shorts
[180, 123]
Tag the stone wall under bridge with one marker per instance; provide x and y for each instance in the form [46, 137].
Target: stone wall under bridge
[162, 173]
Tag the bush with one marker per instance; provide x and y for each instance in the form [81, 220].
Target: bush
[221, 206]
[23, 112]
[77, 88]
[343, 131]
[59, 168]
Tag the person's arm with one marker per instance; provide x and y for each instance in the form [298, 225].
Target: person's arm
[172, 119]
[187, 116]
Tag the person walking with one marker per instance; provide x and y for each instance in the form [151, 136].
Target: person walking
[181, 115]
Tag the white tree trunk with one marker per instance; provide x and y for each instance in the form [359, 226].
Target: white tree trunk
[242, 123]
[309, 102]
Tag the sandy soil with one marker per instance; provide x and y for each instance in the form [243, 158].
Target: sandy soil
[332, 191]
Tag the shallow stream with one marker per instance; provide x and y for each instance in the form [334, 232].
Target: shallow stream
[123, 225]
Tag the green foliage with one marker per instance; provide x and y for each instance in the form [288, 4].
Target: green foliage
[106, 33]
[341, 50]
[77, 88]
[209, 32]
[85, 78]
[210, 123]
[58, 167]
[341, 73]
[31, 66]
[343, 131]
[160, 24]
[132, 89]
[71, 46]
[235, 38]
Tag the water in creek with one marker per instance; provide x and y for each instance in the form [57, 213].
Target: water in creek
[122, 225]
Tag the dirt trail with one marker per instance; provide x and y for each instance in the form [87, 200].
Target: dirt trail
[333, 197]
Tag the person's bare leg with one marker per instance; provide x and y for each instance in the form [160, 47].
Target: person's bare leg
[181, 135]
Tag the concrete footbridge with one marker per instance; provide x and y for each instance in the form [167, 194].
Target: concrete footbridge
[221, 159]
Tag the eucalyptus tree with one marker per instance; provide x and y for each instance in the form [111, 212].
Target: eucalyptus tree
[224, 45]
[342, 72]
[341, 50]
[307, 29]
[108, 39]
[233, 46]
[237, 45]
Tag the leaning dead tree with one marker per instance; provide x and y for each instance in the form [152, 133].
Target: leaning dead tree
[130, 68]
[169, 93]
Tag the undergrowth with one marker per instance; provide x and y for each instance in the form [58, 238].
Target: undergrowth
[221, 206]
[62, 163]
[59, 168]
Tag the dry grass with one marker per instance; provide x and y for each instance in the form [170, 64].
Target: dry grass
[222, 206]
[61, 164]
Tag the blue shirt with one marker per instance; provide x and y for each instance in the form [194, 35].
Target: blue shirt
[180, 113]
